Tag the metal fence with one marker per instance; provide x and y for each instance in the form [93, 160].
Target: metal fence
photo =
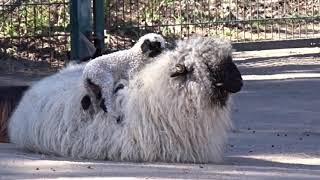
[38, 30]
[34, 32]
[240, 21]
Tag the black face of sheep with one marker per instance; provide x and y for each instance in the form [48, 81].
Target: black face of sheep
[221, 72]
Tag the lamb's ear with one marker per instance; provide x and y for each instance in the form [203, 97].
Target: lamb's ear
[94, 88]
[85, 102]
[118, 87]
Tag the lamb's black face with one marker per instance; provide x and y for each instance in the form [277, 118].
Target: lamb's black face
[223, 77]
[152, 48]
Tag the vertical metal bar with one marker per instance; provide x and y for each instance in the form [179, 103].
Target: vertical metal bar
[130, 11]
[159, 17]
[138, 17]
[180, 17]
[210, 20]
[116, 24]
[152, 14]
[292, 23]
[299, 23]
[166, 15]
[229, 20]
[64, 30]
[2, 23]
[307, 15]
[98, 21]
[237, 17]
[223, 23]
[28, 38]
[258, 19]
[194, 18]
[11, 21]
[35, 24]
[245, 21]
[75, 29]
[250, 18]
[279, 24]
[285, 12]
[201, 16]
[217, 15]
[50, 34]
[174, 15]
[265, 20]
[313, 20]
[123, 24]
[272, 17]
[41, 26]
[108, 27]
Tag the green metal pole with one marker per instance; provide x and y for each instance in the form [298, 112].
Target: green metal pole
[75, 31]
[81, 30]
[98, 18]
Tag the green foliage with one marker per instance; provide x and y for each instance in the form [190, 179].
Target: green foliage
[34, 19]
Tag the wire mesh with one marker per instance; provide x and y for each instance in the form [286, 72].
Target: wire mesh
[36, 30]
[240, 21]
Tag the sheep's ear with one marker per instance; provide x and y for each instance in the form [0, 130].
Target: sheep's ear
[94, 88]
[85, 102]
[118, 87]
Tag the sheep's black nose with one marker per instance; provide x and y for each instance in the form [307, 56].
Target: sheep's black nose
[232, 80]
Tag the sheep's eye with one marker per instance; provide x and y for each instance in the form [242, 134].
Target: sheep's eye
[120, 86]
[180, 69]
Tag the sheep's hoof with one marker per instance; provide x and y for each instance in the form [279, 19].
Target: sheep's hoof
[85, 102]
[103, 106]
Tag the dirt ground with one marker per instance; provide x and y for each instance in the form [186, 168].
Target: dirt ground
[276, 134]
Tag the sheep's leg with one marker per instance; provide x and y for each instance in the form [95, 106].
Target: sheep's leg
[106, 100]
[107, 84]
[93, 97]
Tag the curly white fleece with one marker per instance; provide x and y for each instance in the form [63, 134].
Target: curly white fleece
[165, 119]
[107, 70]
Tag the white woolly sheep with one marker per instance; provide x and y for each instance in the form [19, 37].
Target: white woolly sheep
[101, 74]
[176, 109]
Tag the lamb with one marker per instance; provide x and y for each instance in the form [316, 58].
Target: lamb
[176, 109]
[101, 74]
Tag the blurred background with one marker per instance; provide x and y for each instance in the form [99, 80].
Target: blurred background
[38, 36]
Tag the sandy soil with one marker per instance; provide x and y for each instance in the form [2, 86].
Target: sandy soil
[276, 135]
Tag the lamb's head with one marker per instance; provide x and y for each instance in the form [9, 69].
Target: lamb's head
[151, 45]
[206, 65]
